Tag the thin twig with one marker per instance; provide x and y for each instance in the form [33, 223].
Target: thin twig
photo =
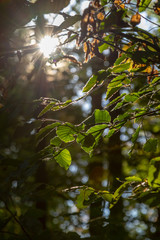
[144, 17]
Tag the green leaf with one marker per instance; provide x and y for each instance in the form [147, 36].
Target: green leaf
[151, 173]
[116, 99]
[154, 172]
[150, 198]
[150, 145]
[139, 115]
[119, 77]
[135, 135]
[120, 59]
[71, 38]
[112, 91]
[66, 133]
[120, 68]
[45, 151]
[61, 105]
[121, 189]
[56, 141]
[138, 69]
[107, 196]
[123, 116]
[158, 107]
[47, 108]
[63, 158]
[156, 79]
[90, 84]
[155, 160]
[116, 81]
[88, 141]
[119, 192]
[132, 97]
[133, 179]
[80, 138]
[105, 46]
[98, 78]
[86, 145]
[97, 128]
[96, 132]
[102, 116]
[103, 2]
[118, 105]
[84, 196]
[119, 125]
[47, 128]
[110, 133]
[143, 5]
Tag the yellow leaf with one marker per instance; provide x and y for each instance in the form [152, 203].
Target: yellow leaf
[118, 4]
[157, 8]
[100, 16]
[85, 47]
[136, 19]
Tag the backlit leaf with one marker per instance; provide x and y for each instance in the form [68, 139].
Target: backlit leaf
[143, 5]
[112, 91]
[47, 108]
[66, 133]
[56, 141]
[132, 97]
[90, 84]
[84, 196]
[98, 78]
[119, 192]
[87, 141]
[136, 19]
[154, 172]
[100, 16]
[107, 196]
[116, 99]
[120, 68]
[97, 128]
[110, 133]
[120, 59]
[102, 116]
[63, 158]
[105, 45]
[47, 128]
[133, 179]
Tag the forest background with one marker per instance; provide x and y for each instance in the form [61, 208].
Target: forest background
[79, 128]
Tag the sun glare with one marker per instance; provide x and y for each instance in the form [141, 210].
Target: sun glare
[48, 45]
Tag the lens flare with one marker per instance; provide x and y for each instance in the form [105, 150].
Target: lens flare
[48, 45]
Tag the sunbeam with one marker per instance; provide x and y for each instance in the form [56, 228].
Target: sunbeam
[48, 45]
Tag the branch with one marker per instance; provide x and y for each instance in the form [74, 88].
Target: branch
[134, 39]
[19, 223]
[13, 51]
[144, 17]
